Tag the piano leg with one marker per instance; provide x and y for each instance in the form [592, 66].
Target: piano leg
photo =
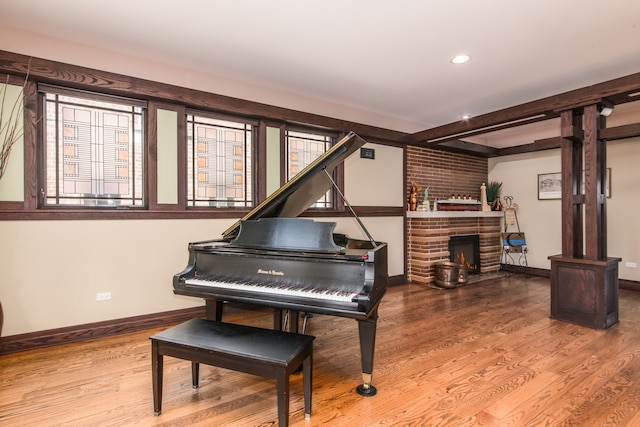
[367, 331]
[213, 309]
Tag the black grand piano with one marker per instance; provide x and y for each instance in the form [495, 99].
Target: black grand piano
[295, 265]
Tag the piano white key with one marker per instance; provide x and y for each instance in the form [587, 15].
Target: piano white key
[281, 289]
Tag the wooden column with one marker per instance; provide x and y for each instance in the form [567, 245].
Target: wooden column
[572, 201]
[584, 281]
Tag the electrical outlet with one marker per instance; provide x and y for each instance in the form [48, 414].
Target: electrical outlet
[103, 296]
[631, 264]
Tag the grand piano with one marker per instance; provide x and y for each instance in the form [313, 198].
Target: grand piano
[294, 265]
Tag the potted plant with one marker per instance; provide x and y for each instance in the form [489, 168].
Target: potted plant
[493, 193]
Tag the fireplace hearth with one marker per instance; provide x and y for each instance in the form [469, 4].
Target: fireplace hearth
[465, 250]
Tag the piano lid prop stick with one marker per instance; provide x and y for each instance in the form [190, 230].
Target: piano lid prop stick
[346, 202]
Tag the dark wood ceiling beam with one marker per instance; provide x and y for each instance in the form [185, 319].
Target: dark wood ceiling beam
[517, 149]
[609, 134]
[612, 90]
[435, 141]
[620, 132]
[547, 143]
[465, 147]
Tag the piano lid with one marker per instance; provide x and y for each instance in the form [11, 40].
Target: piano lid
[305, 188]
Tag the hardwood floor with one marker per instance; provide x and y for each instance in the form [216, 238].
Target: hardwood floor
[482, 355]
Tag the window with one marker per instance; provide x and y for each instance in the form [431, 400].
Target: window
[93, 149]
[219, 162]
[302, 149]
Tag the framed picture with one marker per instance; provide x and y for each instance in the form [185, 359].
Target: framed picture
[549, 186]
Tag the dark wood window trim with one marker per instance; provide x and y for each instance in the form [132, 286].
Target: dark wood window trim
[164, 96]
[151, 157]
[260, 156]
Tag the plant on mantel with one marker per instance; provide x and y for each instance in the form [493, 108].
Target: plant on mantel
[494, 188]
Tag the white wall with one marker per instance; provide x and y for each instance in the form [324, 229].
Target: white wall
[541, 219]
[377, 182]
[52, 270]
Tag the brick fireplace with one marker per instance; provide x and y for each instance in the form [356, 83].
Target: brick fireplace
[428, 235]
[445, 174]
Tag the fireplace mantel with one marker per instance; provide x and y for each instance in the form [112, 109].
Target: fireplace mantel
[454, 214]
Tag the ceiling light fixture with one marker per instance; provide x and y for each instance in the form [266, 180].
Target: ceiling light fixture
[465, 117]
[460, 59]
[605, 110]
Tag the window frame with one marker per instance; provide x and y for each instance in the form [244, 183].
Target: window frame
[43, 90]
[254, 167]
[337, 204]
[167, 96]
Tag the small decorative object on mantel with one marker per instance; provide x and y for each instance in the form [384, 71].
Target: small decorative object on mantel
[413, 196]
[483, 198]
[497, 205]
[424, 206]
[459, 204]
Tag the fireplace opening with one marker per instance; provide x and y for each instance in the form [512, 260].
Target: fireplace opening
[465, 250]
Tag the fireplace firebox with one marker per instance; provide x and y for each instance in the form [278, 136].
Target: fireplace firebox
[465, 250]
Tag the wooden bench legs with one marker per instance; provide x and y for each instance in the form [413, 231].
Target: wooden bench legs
[263, 352]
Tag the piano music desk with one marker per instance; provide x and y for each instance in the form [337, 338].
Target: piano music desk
[263, 352]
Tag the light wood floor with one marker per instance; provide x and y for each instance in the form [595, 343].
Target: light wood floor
[483, 355]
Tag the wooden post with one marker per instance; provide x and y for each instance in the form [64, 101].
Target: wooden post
[594, 194]
[571, 153]
[584, 281]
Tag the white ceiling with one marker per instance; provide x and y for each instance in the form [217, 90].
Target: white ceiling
[390, 58]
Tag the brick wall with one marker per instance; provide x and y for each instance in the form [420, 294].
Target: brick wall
[445, 173]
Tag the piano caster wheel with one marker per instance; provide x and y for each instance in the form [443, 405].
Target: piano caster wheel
[366, 391]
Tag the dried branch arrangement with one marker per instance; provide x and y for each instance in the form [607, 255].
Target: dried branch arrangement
[11, 125]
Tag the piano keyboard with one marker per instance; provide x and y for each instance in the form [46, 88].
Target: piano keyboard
[276, 289]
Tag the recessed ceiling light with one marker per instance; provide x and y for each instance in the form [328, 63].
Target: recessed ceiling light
[465, 117]
[460, 59]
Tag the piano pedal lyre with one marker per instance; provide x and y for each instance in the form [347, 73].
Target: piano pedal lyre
[306, 315]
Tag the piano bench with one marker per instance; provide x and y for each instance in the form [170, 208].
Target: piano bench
[263, 352]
